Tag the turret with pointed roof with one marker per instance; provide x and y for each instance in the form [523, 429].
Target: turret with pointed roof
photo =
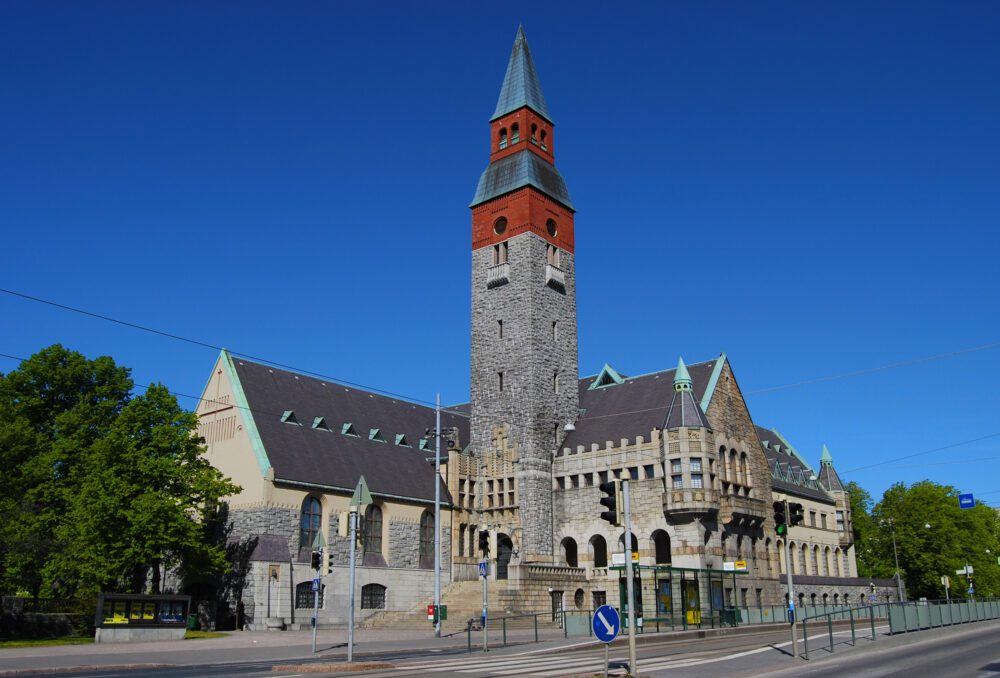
[827, 474]
[684, 409]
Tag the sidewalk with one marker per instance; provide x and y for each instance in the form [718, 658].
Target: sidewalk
[250, 646]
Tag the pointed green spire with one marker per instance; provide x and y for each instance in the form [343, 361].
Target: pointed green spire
[520, 85]
[682, 380]
[825, 459]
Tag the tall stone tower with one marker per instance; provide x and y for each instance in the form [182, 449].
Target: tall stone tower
[524, 340]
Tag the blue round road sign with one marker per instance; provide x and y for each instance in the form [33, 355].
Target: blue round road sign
[606, 623]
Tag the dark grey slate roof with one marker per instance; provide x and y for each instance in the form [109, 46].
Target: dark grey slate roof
[521, 169]
[271, 548]
[793, 477]
[303, 454]
[520, 85]
[828, 476]
[633, 408]
[685, 411]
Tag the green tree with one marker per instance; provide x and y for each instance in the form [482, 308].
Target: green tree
[868, 546]
[104, 490]
[934, 537]
[52, 410]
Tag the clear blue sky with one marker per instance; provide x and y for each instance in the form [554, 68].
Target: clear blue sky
[812, 188]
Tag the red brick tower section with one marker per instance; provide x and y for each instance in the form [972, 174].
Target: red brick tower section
[526, 208]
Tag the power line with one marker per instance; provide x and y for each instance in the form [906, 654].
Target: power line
[882, 368]
[917, 454]
[204, 344]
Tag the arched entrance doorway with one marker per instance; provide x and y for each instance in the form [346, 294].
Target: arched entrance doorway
[504, 549]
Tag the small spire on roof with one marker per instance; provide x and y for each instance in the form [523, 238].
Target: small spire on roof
[825, 459]
[682, 380]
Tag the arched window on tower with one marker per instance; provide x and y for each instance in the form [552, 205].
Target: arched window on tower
[534, 134]
[515, 134]
[503, 138]
[544, 147]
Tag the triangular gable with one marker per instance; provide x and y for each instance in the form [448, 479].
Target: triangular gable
[607, 377]
[348, 429]
[376, 434]
[320, 423]
[401, 440]
[288, 417]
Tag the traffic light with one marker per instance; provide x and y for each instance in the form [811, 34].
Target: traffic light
[780, 522]
[795, 514]
[329, 563]
[484, 542]
[613, 501]
[317, 559]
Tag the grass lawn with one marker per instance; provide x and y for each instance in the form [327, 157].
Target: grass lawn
[88, 640]
[42, 642]
[195, 635]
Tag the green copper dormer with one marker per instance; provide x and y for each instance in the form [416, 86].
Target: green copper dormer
[682, 380]
[520, 84]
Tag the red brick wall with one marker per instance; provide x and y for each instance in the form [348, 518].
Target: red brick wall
[526, 209]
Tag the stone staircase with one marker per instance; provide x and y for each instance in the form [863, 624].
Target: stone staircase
[464, 600]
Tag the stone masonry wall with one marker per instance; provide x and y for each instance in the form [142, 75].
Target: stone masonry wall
[267, 520]
[529, 356]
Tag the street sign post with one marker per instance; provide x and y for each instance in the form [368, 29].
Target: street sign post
[966, 501]
[482, 569]
[606, 624]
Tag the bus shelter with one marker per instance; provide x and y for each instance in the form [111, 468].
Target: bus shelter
[680, 597]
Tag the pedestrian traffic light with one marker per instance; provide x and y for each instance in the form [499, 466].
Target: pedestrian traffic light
[795, 514]
[613, 501]
[317, 558]
[484, 542]
[780, 522]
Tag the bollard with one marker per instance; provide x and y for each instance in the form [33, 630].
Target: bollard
[536, 627]
[504, 631]
[805, 638]
[829, 626]
[871, 614]
[853, 639]
[468, 633]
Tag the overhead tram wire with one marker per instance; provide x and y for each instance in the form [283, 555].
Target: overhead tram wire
[421, 401]
[204, 344]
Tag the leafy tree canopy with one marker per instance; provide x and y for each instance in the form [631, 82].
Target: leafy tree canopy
[103, 489]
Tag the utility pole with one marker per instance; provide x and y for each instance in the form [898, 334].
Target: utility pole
[350, 594]
[629, 585]
[895, 555]
[437, 517]
[791, 593]
[317, 563]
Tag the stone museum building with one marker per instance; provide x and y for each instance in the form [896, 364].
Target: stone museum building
[523, 460]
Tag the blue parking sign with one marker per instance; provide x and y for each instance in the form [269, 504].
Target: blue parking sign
[966, 501]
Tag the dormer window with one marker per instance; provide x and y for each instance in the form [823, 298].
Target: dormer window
[503, 138]
[515, 133]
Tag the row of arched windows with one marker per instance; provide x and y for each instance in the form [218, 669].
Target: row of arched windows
[598, 549]
[371, 527]
[816, 560]
[734, 472]
[538, 137]
[372, 596]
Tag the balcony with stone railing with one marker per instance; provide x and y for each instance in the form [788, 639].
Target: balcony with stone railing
[555, 277]
[497, 275]
[689, 500]
[741, 509]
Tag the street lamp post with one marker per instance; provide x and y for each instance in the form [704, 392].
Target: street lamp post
[895, 555]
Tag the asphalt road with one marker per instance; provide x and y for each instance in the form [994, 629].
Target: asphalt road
[969, 650]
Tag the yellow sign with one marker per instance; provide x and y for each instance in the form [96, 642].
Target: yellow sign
[635, 556]
[740, 565]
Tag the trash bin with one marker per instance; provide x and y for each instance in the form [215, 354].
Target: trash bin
[192, 624]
